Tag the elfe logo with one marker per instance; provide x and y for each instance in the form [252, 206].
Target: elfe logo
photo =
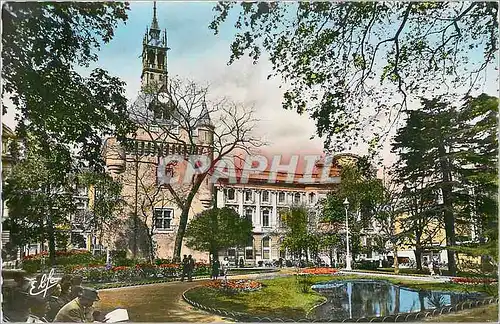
[42, 287]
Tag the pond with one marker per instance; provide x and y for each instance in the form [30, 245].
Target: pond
[376, 298]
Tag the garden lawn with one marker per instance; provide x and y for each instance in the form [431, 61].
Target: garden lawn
[282, 297]
[279, 297]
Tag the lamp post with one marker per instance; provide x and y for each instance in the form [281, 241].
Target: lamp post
[348, 254]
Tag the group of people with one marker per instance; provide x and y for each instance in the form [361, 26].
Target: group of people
[219, 269]
[68, 301]
[187, 267]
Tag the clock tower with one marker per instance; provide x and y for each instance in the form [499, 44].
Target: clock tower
[154, 55]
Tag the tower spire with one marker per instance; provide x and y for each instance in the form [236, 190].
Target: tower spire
[154, 24]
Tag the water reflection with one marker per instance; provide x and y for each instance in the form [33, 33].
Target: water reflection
[369, 298]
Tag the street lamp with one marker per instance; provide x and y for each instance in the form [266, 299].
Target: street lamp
[348, 254]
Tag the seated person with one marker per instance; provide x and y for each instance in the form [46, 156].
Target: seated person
[15, 304]
[39, 307]
[79, 309]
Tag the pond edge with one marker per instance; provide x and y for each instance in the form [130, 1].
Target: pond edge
[405, 317]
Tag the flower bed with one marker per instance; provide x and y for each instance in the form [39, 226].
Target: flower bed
[319, 271]
[33, 263]
[235, 285]
[100, 273]
[473, 281]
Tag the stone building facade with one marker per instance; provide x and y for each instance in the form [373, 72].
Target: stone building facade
[151, 216]
[262, 203]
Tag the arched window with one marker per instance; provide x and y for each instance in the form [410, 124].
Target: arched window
[296, 198]
[282, 251]
[311, 198]
[266, 248]
[281, 197]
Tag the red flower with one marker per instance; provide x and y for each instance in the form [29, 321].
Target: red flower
[319, 271]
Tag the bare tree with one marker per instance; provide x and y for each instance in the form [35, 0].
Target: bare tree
[175, 119]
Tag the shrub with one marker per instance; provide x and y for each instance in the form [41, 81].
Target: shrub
[33, 263]
[162, 261]
[366, 265]
[304, 283]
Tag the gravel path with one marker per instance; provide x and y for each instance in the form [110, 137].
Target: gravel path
[162, 302]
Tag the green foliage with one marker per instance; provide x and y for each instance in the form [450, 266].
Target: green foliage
[340, 56]
[216, 229]
[365, 194]
[38, 193]
[297, 237]
[304, 283]
[453, 151]
[333, 209]
[107, 200]
[43, 45]
[69, 259]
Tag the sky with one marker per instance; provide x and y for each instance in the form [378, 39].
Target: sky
[197, 54]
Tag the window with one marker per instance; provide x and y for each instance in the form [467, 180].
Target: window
[265, 218]
[281, 197]
[230, 194]
[231, 252]
[249, 214]
[249, 249]
[163, 218]
[175, 130]
[296, 198]
[265, 196]
[311, 198]
[248, 196]
[266, 248]
[194, 132]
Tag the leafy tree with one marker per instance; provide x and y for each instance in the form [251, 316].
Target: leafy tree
[215, 229]
[363, 191]
[44, 44]
[39, 196]
[451, 151]
[332, 241]
[301, 237]
[422, 219]
[340, 57]
[107, 201]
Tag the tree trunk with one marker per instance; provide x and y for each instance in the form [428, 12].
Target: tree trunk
[396, 262]
[418, 255]
[180, 233]
[449, 219]
[184, 218]
[52, 241]
[331, 258]
[134, 241]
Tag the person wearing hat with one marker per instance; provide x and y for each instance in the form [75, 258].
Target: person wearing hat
[79, 309]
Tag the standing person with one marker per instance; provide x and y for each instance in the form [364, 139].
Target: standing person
[190, 267]
[435, 267]
[185, 265]
[79, 309]
[225, 267]
[215, 268]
